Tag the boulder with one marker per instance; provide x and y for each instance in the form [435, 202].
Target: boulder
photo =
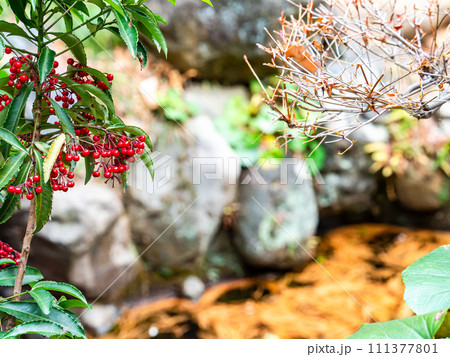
[213, 40]
[86, 243]
[278, 216]
[175, 216]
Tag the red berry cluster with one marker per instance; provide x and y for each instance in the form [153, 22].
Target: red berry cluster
[6, 100]
[27, 187]
[7, 252]
[61, 178]
[21, 70]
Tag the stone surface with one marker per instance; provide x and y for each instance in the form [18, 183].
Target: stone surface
[175, 217]
[213, 40]
[277, 217]
[86, 243]
[100, 319]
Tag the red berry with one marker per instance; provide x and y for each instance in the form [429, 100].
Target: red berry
[30, 195]
[107, 174]
[12, 76]
[96, 173]
[85, 153]
[7, 50]
[10, 83]
[38, 189]
[65, 105]
[17, 64]
[96, 155]
[19, 85]
[69, 157]
[70, 175]
[1, 107]
[130, 152]
[23, 78]
[36, 178]
[11, 189]
[96, 138]
[55, 64]
[141, 138]
[70, 61]
[76, 158]
[52, 111]
[70, 184]
[139, 151]
[17, 190]
[110, 77]
[57, 98]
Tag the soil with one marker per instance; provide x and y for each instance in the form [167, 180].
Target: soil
[355, 279]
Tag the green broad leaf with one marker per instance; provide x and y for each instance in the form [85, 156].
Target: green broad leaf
[68, 22]
[13, 29]
[135, 130]
[128, 32]
[62, 288]
[80, 6]
[11, 139]
[155, 35]
[52, 156]
[44, 300]
[142, 54]
[117, 6]
[415, 327]
[99, 3]
[44, 200]
[7, 261]
[8, 276]
[105, 97]
[12, 200]
[30, 311]
[66, 123]
[15, 110]
[18, 7]
[96, 74]
[11, 168]
[68, 304]
[142, 8]
[33, 4]
[148, 162]
[427, 282]
[45, 63]
[73, 43]
[89, 168]
[43, 328]
[2, 48]
[42, 147]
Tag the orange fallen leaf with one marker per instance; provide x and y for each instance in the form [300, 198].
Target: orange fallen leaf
[303, 57]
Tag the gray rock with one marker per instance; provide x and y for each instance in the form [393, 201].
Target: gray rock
[213, 40]
[86, 243]
[175, 216]
[100, 319]
[193, 287]
[277, 217]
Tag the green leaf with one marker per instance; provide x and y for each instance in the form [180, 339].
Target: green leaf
[18, 7]
[43, 328]
[66, 123]
[8, 276]
[11, 168]
[117, 6]
[128, 32]
[74, 44]
[53, 153]
[62, 288]
[142, 54]
[30, 311]
[11, 139]
[154, 33]
[103, 96]
[427, 282]
[135, 130]
[89, 168]
[75, 86]
[15, 110]
[45, 63]
[11, 200]
[148, 162]
[44, 199]
[44, 300]
[2, 48]
[13, 29]
[208, 2]
[174, 2]
[99, 3]
[7, 261]
[68, 304]
[415, 327]
[96, 74]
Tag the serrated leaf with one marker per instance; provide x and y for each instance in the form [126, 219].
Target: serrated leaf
[11, 200]
[127, 31]
[148, 162]
[15, 110]
[44, 200]
[153, 31]
[62, 288]
[30, 311]
[414, 327]
[66, 123]
[11, 139]
[427, 282]
[45, 63]
[52, 156]
[18, 7]
[117, 6]
[74, 44]
[8, 276]
[11, 168]
[13, 29]
[43, 328]
[7, 261]
[44, 300]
